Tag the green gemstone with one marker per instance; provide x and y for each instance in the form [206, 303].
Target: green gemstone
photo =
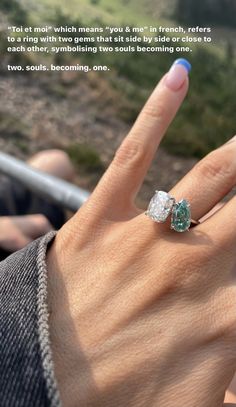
[181, 216]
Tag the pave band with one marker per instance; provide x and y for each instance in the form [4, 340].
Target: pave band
[162, 205]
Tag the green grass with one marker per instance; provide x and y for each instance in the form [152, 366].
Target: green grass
[85, 157]
[116, 11]
[206, 119]
[11, 125]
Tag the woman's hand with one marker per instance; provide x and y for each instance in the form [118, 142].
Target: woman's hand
[141, 315]
[18, 231]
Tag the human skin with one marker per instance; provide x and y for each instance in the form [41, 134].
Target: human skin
[140, 315]
[18, 231]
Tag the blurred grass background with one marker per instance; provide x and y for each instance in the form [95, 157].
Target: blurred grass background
[207, 118]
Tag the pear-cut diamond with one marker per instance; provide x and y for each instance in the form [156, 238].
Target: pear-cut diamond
[181, 216]
[160, 206]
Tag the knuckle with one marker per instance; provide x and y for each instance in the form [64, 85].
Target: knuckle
[131, 153]
[41, 219]
[43, 222]
[226, 321]
[229, 327]
[59, 155]
[188, 269]
[157, 111]
[217, 165]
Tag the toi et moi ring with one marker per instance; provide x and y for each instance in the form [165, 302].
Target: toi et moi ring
[163, 204]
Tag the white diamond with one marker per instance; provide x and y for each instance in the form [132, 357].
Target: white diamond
[160, 206]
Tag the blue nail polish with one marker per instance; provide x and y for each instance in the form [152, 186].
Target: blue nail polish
[184, 62]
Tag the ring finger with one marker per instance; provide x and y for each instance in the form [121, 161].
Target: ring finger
[209, 181]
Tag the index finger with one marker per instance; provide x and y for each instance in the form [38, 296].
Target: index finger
[125, 175]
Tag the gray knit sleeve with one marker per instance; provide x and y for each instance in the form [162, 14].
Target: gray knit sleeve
[26, 368]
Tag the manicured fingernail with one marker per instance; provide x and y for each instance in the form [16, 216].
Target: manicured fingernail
[178, 74]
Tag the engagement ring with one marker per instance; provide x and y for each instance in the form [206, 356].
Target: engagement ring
[162, 205]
